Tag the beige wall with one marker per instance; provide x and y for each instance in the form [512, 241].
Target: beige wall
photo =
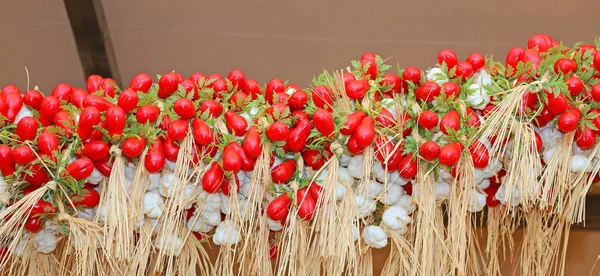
[36, 34]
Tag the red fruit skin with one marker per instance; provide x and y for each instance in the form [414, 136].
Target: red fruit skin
[283, 172]
[236, 123]
[451, 89]
[170, 150]
[393, 81]
[575, 85]
[450, 120]
[473, 119]
[237, 78]
[449, 57]
[411, 74]
[464, 70]
[78, 97]
[597, 61]
[273, 87]
[7, 166]
[63, 120]
[533, 56]
[167, 85]
[450, 154]
[80, 169]
[96, 150]
[323, 122]
[479, 154]
[47, 142]
[141, 82]
[251, 145]
[365, 132]
[27, 129]
[49, 107]
[147, 114]
[22, 155]
[10, 89]
[427, 119]
[280, 107]
[541, 42]
[232, 161]
[428, 91]
[103, 167]
[89, 117]
[385, 119]
[225, 189]
[128, 100]
[408, 167]
[476, 60]
[565, 66]
[93, 82]
[212, 179]
[63, 92]
[312, 158]
[108, 85]
[278, 131]
[279, 208]
[322, 97]
[352, 122]
[596, 92]
[306, 204]
[96, 101]
[178, 130]
[490, 199]
[115, 121]
[514, 56]
[132, 146]
[429, 150]
[252, 88]
[357, 89]
[353, 146]
[538, 141]
[38, 175]
[298, 100]
[202, 133]
[383, 148]
[196, 78]
[556, 104]
[33, 98]
[569, 120]
[34, 224]
[298, 137]
[585, 138]
[369, 65]
[154, 160]
[214, 108]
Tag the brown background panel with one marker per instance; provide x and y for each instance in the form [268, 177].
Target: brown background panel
[293, 40]
[36, 34]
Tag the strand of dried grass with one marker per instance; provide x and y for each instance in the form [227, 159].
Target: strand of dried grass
[365, 262]
[293, 259]
[172, 220]
[255, 262]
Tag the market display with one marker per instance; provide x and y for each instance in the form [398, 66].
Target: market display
[142, 178]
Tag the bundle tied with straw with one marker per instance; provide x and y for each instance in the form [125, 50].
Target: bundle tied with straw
[113, 211]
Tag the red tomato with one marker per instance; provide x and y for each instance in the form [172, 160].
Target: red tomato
[232, 161]
[226, 183]
[322, 97]
[237, 79]
[96, 150]
[78, 98]
[167, 85]
[365, 132]
[251, 145]
[80, 168]
[306, 204]
[141, 82]
[214, 108]
[538, 141]
[323, 121]
[473, 119]
[147, 114]
[89, 117]
[109, 87]
[408, 167]
[283, 172]
[132, 147]
[252, 88]
[128, 100]
[213, 178]
[569, 120]
[236, 123]
[428, 91]
[196, 78]
[357, 89]
[273, 87]
[541, 42]
[298, 100]
[10, 89]
[33, 98]
[22, 155]
[63, 120]
[27, 129]
[178, 130]
[490, 199]
[514, 56]
[63, 92]
[115, 121]
[170, 150]
[34, 224]
[479, 154]
[49, 107]
[596, 92]
[450, 120]
[450, 154]
[429, 150]
[533, 56]
[277, 131]
[575, 85]
[412, 74]
[280, 107]
[93, 82]
[392, 81]
[89, 198]
[597, 61]
[353, 146]
[296, 140]
[476, 60]
[451, 89]
[313, 159]
[385, 119]
[565, 66]
[464, 70]
[352, 122]
[427, 119]
[47, 142]
[154, 160]
[556, 104]
[7, 166]
[279, 208]
[585, 138]
[203, 134]
[368, 62]
[449, 57]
